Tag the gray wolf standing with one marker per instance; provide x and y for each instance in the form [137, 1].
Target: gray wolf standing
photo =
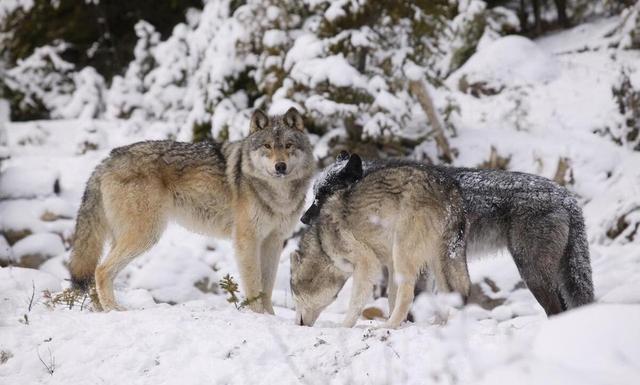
[252, 190]
[538, 221]
[403, 217]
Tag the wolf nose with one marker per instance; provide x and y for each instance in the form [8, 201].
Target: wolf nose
[281, 167]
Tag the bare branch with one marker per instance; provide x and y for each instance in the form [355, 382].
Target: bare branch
[51, 366]
[563, 174]
[419, 90]
[33, 295]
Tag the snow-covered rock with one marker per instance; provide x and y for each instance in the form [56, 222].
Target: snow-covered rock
[33, 250]
[26, 182]
[511, 60]
[6, 253]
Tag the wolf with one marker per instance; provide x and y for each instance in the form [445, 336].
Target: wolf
[402, 217]
[252, 191]
[538, 221]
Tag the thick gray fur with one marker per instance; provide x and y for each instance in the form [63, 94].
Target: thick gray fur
[538, 221]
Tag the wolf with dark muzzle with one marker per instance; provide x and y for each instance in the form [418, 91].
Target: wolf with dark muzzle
[402, 217]
[539, 222]
[252, 191]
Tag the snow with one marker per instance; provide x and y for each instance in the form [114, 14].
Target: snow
[513, 60]
[215, 344]
[333, 69]
[274, 38]
[612, 341]
[179, 327]
[306, 46]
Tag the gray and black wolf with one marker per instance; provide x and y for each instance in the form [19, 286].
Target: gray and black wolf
[402, 217]
[252, 191]
[539, 222]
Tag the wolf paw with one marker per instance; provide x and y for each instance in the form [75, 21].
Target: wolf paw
[349, 322]
[256, 307]
[388, 325]
[112, 307]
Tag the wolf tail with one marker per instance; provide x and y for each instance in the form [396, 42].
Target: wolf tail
[577, 285]
[89, 235]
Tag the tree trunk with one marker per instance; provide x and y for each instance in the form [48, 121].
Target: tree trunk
[564, 174]
[523, 15]
[561, 6]
[537, 26]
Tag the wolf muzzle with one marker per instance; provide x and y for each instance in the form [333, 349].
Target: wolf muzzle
[312, 212]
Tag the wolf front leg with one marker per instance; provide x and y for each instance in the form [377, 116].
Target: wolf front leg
[364, 277]
[246, 247]
[269, 258]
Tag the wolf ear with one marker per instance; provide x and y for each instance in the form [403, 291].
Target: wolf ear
[343, 155]
[259, 121]
[353, 169]
[293, 119]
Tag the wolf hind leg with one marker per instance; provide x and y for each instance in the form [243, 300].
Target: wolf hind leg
[453, 259]
[125, 248]
[136, 219]
[537, 245]
[392, 288]
[408, 256]
[402, 301]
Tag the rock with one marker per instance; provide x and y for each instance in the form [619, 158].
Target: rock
[12, 236]
[372, 313]
[6, 253]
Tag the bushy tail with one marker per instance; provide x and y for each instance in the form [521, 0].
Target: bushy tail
[577, 285]
[89, 235]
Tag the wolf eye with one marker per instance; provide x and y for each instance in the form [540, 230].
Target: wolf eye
[267, 146]
[288, 146]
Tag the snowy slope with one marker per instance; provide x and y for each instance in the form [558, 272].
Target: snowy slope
[180, 332]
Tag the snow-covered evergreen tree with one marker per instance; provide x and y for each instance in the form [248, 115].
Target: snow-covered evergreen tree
[126, 93]
[42, 81]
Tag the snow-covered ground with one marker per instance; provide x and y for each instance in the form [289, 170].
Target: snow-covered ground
[180, 329]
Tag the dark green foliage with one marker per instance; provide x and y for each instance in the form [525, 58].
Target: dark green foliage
[373, 11]
[628, 100]
[202, 131]
[472, 34]
[230, 286]
[99, 35]
[34, 111]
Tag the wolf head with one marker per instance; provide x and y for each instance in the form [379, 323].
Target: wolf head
[278, 145]
[315, 282]
[346, 171]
